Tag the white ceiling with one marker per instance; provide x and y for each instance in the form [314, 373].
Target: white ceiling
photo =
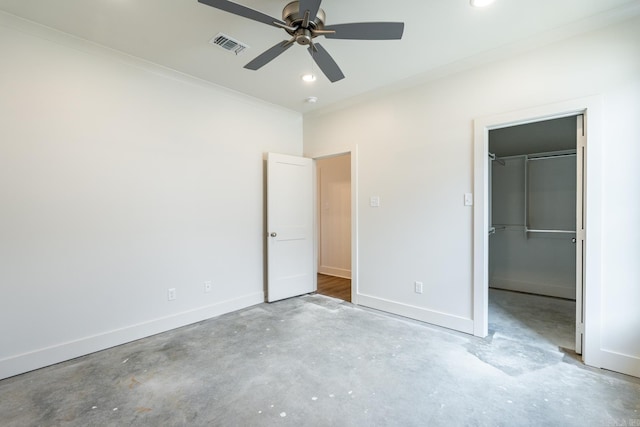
[438, 35]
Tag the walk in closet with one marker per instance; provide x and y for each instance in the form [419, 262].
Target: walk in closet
[533, 208]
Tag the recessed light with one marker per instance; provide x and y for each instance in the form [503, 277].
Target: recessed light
[309, 78]
[481, 3]
[311, 100]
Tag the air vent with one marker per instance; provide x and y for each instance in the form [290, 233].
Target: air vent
[228, 43]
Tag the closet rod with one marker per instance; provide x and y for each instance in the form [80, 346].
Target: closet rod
[550, 231]
[550, 157]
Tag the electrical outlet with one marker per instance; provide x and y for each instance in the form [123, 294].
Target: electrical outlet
[418, 287]
[207, 286]
[171, 294]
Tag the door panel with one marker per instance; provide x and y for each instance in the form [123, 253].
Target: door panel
[289, 226]
[580, 231]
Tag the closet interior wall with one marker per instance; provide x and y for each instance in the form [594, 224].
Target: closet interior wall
[533, 211]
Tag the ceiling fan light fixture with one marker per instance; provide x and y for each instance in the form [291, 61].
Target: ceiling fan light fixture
[309, 78]
[481, 3]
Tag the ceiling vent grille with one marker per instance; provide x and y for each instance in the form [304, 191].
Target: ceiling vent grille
[228, 43]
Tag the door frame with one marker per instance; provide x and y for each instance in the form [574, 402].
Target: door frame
[354, 216]
[591, 108]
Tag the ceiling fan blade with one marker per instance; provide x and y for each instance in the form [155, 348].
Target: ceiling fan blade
[312, 6]
[245, 12]
[325, 62]
[367, 31]
[268, 55]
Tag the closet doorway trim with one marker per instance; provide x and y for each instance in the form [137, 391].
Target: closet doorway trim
[591, 107]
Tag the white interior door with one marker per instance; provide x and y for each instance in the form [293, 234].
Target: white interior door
[580, 230]
[289, 226]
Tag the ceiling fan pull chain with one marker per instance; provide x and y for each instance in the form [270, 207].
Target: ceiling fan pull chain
[313, 61]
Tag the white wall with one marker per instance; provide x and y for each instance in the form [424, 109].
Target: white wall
[119, 180]
[621, 222]
[334, 215]
[416, 152]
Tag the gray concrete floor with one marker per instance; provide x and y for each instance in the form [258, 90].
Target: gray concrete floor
[317, 361]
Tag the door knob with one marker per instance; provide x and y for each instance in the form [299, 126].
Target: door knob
[573, 240]
[273, 234]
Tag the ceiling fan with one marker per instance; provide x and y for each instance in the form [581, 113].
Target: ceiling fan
[304, 21]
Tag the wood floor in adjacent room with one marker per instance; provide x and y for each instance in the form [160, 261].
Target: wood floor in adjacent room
[335, 287]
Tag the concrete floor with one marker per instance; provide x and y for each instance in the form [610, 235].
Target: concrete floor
[317, 361]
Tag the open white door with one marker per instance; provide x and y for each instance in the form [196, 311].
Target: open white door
[580, 231]
[289, 226]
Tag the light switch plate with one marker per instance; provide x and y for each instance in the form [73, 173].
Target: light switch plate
[468, 199]
[374, 201]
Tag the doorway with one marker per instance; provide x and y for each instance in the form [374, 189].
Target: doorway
[333, 177]
[533, 206]
[591, 152]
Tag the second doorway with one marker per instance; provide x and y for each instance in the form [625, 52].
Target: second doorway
[334, 226]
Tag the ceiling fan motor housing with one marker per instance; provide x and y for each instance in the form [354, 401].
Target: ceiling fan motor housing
[303, 35]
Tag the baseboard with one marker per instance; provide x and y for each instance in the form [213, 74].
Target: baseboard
[333, 271]
[623, 363]
[26, 362]
[533, 288]
[418, 313]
